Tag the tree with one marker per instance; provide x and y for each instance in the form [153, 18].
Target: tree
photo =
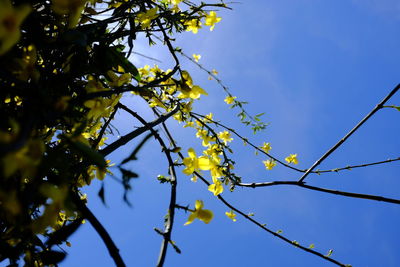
[65, 68]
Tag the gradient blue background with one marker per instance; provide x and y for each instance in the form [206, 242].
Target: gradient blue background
[315, 68]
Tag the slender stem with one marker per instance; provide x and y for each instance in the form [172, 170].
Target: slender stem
[103, 129]
[112, 248]
[126, 138]
[173, 181]
[357, 166]
[325, 190]
[341, 141]
[193, 114]
[244, 139]
[285, 239]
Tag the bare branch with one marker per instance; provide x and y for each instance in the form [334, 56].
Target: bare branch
[325, 190]
[285, 239]
[173, 181]
[112, 248]
[126, 138]
[341, 141]
[244, 139]
[253, 220]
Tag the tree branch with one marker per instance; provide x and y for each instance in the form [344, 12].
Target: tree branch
[325, 190]
[173, 181]
[103, 129]
[285, 239]
[263, 226]
[126, 138]
[338, 144]
[244, 139]
[112, 248]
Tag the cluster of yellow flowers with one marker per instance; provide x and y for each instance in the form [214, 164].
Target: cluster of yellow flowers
[271, 163]
[205, 215]
[194, 25]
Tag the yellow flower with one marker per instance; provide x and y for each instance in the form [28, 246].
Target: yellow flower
[269, 164]
[11, 134]
[203, 215]
[292, 158]
[216, 188]
[266, 147]
[207, 118]
[97, 107]
[196, 57]
[203, 135]
[211, 19]
[145, 18]
[193, 93]
[230, 99]
[193, 163]
[214, 71]
[10, 22]
[26, 159]
[174, 2]
[72, 8]
[187, 89]
[118, 81]
[225, 136]
[231, 215]
[25, 66]
[145, 71]
[193, 25]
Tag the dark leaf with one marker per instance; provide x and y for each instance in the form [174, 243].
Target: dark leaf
[137, 149]
[127, 174]
[63, 233]
[51, 257]
[101, 194]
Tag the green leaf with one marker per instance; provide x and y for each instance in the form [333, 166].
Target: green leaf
[329, 253]
[90, 154]
[124, 62]
[107, 58]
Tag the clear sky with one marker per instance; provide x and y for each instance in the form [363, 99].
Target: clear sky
[315, 68]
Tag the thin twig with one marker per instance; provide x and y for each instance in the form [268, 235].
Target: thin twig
[126, 138]
[285, 239]
[251, 219]
[244, 139]
[173, 181]
[357, 166]
[193, 114]
[341, 141]
[325, 190]
[103, 129]
[112, 248]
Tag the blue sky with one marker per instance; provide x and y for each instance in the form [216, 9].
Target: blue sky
[315, 68]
